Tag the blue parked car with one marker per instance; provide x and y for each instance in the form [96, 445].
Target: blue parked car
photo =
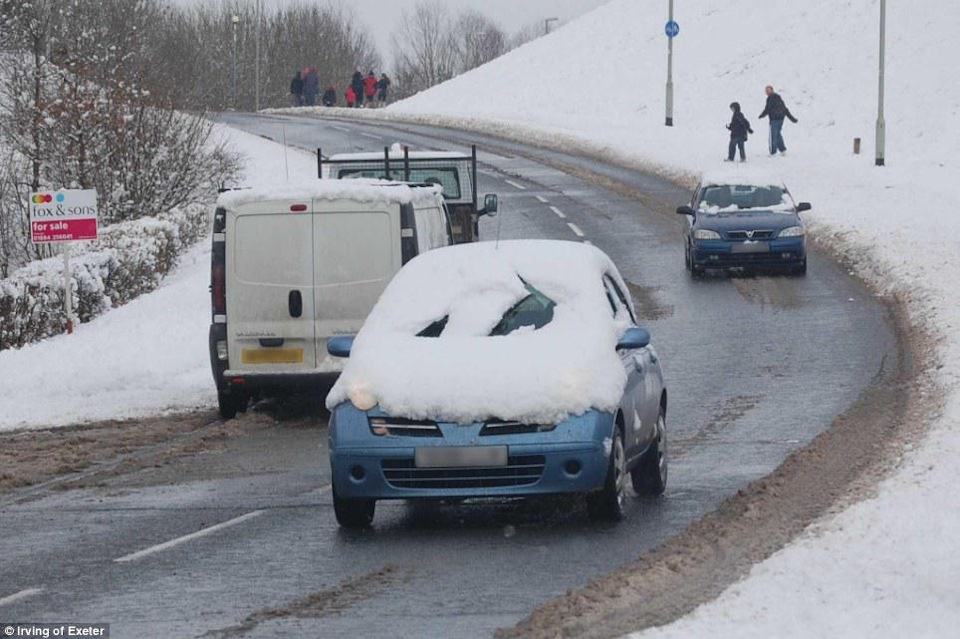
[503, 370]
[733, 221]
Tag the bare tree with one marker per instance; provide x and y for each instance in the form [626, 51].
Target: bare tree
[482, 39]
[425, 50]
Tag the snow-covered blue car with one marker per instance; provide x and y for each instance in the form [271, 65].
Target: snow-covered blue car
[735, 220]
[494, 370]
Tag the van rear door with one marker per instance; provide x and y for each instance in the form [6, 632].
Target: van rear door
[270, 288]
[356, 254]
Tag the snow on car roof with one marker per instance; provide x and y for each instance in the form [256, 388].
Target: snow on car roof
[359, 189]
[740, 177]
[566, 367]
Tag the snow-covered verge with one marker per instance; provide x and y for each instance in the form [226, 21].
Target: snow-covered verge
[146, 357]
[566, 367]
[890, 565]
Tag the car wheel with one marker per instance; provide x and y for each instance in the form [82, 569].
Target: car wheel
[802, 269]
[231, 403]
[607, 504]
[696, 271]
[353, 513]
[686, 255]
[650, 475]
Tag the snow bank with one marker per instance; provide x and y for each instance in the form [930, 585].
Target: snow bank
[891, 565]
[358, 189]
[566, 367]
[146, 357]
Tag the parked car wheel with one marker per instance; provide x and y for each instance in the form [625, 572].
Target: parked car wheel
[353, 513]
[800, 270]
[649, 477]
[696, 271]
[607, 504]
[231, 403]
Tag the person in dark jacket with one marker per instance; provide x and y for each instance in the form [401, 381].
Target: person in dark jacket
[357, 84]
[311, 86]
[739, 128]
[330, 96]
[777, 111]
[296, 90]
[382, 85]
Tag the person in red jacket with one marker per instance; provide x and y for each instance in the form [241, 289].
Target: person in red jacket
[351, 96]
[370, 87]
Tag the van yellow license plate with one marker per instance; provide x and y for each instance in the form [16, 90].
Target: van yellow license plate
[272, 356]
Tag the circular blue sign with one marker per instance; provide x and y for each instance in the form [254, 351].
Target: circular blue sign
[671, 29]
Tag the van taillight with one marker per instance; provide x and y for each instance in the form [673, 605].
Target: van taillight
[219, 290]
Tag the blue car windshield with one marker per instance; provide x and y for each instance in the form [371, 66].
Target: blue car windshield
[741, 196]
[536, 310]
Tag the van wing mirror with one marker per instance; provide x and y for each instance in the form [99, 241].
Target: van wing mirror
[491, 203]
[340, 345]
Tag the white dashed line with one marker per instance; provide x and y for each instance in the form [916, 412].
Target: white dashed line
[17, 596]
[340, 128]
[542, 199]
[371, 135]
[515, 185]
[559, 213]
[576, 229]
[180, 540]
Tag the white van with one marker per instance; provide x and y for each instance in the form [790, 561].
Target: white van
[294, 265]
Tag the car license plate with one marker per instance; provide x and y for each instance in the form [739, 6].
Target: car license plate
[272, 356]
[460, 456]
[751, 247]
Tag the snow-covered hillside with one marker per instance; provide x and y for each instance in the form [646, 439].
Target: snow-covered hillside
[889, 566]
[143, 358]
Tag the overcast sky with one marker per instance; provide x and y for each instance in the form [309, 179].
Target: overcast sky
[382, 16]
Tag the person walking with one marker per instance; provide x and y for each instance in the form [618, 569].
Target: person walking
[777, 111]
[382, 85]
[311, 86]
[370, 88]
[357, 84]
[296, 90]
[330, 96]
[351, 96]
[739, 128]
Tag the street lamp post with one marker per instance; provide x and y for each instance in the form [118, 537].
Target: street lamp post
[546, 25]
[233, 76]
[669, 116]
[881, 126]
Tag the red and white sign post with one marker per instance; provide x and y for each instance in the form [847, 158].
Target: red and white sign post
[62, 217]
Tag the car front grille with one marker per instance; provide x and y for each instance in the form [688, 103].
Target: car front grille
[399, 427]
[521, 470]
[744, 235]
[508, 428]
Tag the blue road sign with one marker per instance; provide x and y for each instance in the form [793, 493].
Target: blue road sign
[671, 29]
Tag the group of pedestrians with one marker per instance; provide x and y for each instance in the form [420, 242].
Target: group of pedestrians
[362, 90]
[739, 126]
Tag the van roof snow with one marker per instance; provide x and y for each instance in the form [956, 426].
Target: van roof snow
[359, 190]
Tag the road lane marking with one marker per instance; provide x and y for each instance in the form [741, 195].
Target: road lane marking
[371, 135]
[17, 596]
[576, 229]
[340, 128]
[515, 185]
[542, 199]
[558, 212]
[180, 540]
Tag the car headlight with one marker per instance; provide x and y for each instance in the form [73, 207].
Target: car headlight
[793, 231]
[706, 234]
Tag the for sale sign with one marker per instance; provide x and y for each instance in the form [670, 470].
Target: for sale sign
[66, 215]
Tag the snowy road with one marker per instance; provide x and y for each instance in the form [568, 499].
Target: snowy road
[243, 542]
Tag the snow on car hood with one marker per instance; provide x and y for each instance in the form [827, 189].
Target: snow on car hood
[567, 367]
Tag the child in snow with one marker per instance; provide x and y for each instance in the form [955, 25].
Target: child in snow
[351, 96]
[739, 128]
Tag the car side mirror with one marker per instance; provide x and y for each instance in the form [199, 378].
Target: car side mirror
[491, 203]
[685, 210]
[340, 345]
[633, 338]
[803, 206]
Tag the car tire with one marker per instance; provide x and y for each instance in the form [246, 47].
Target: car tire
[649, 477]
[353, 513]
[801, 269]
[696, 271]
[686, 256]
[231, 403]
[608, 503]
